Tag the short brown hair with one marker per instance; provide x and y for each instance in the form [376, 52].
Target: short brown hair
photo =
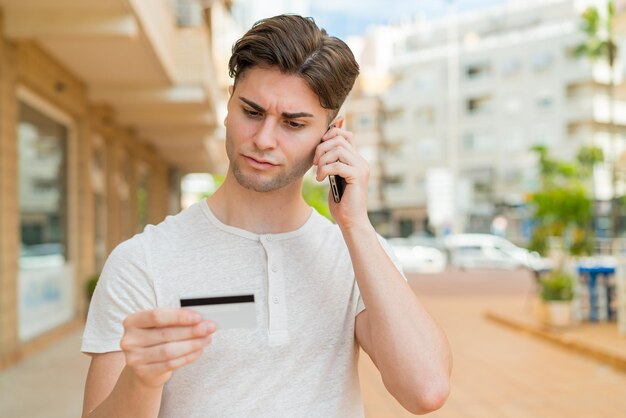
[296, 45]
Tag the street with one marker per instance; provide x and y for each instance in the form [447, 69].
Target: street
[499, 372]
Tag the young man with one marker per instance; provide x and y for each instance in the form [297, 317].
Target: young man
[320, 290]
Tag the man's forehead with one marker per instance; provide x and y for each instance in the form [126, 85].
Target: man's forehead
[273, 90]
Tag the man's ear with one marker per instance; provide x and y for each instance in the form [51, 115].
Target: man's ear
[338, 121]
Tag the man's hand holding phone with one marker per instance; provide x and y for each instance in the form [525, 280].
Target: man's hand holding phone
[337, 156]
[157, 342]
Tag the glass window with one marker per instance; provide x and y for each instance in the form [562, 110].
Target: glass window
[478, 105]
[425, 115]
[511, 67]
[364, 122]
[478, 71]
[545, 101]
[542, 61]
[42, 183]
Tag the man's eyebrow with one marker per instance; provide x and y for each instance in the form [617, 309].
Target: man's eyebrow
[286, 115]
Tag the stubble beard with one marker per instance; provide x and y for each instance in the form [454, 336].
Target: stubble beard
[261, 184]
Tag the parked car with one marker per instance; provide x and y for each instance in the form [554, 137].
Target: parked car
[415, 257]
[472, 251]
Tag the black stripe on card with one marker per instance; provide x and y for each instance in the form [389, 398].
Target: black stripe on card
[220, 300]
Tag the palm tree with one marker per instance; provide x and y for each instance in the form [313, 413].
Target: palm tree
[600, 46]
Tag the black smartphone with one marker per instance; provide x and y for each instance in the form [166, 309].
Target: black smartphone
[337, 183]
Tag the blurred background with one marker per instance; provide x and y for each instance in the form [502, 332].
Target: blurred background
[495, 131]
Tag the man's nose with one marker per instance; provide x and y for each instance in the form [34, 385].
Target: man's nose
[265, 137]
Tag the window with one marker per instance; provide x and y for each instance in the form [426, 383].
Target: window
[364, 122]
[393, 149]
[477, 71]
[511, 67]
[482, 192]
[478, 105]
[477, 141]
[545, 101]
[46, 279]
[424, 83]
[394, 181]
[425, 115]
[542, 61]
[428, 149]
[393, 115]
[42, 182]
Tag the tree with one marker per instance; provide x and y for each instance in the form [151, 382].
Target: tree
[600, 46]
[562, 207]
[316, 196]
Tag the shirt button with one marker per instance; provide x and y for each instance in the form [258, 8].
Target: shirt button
[275, 299]
[274, 268]
[268, 237]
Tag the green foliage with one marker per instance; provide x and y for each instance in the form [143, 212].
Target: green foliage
[316, 196]
[90, 284]
[539, 240]
[557, 286]
[562, 207]
[218, 179]
[598, 45]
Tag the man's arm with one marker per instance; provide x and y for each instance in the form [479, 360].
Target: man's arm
[155, 343]
[404, 342]
[110, 389]
[406, 345]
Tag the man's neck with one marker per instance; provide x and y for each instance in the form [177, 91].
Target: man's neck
[274, 212]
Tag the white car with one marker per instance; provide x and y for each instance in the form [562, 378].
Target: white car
[416, 258]
[472, 251]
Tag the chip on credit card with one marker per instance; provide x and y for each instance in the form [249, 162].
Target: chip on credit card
[228, 312]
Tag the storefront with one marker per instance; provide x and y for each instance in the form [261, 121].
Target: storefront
[76, 179]
[46, 141]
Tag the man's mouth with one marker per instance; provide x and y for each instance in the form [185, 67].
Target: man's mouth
[259, 162]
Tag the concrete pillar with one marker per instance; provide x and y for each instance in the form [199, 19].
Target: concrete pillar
[9, 201]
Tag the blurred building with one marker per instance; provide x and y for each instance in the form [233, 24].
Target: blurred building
[103, 107]
[471, 94]
[362, 112]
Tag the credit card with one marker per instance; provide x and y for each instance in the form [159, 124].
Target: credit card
[228, 312]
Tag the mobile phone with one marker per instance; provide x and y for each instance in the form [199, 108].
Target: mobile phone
[337, 183]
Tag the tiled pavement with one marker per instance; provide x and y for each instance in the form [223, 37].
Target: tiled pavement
[498, 370]
[501, 372]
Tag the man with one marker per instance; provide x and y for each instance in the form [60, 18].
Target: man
[320, 290]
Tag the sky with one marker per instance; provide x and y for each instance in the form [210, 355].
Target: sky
[352, 17]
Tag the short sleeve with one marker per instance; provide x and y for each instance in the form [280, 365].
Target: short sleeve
[360, 307]
[124, 287]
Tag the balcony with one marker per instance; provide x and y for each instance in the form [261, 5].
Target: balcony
[156, 77]
[595, 109]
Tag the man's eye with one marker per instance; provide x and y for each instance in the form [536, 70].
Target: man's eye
[294, 125]
[252, 113]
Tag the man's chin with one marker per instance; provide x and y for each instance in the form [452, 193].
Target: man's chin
[259, 185]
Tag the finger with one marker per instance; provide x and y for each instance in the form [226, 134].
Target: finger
[153, 336]
[162, 317]
[156, 369]
[335, 159]
[165, 352]
[325, 147]
[335, 169]
[338, 132]
[174, 350]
